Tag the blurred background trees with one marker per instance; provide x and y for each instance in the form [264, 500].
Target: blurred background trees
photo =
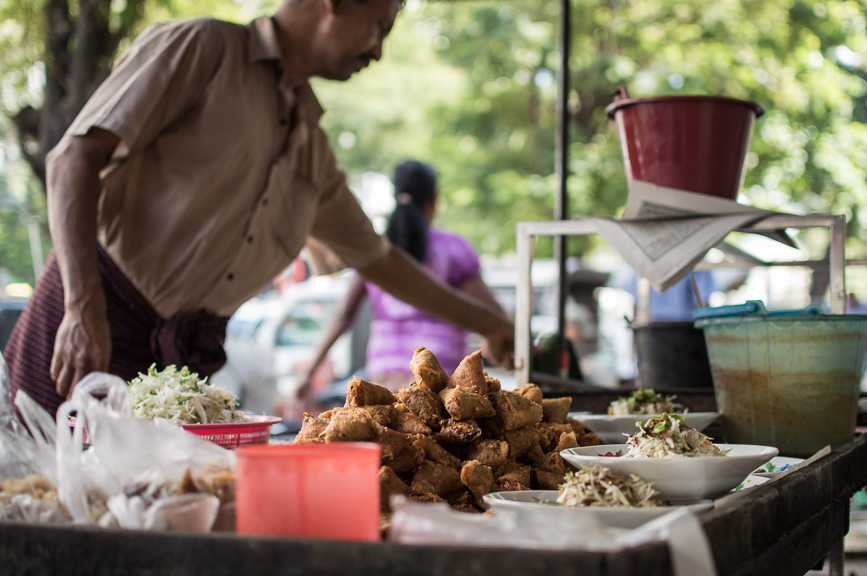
[471, 86]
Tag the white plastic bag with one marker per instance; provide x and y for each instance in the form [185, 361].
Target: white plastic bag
[28, 471]
[131, 471]
[183, 513]
[528, 528]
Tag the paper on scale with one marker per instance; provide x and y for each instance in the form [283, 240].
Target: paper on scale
[664, 232]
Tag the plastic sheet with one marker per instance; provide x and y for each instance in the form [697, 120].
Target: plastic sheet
[28, 467]
[130, 473]
[550, 528]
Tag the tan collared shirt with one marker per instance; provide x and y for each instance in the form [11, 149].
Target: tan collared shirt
[222, 175]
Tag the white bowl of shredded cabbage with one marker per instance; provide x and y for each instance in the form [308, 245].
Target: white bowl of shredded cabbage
[615, 428]
[678, 477]
[181, 397]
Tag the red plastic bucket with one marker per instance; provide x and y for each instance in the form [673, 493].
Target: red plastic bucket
[693, 143]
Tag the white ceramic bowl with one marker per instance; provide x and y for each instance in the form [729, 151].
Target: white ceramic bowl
[614, 429]
[627, 518]
[678, 477]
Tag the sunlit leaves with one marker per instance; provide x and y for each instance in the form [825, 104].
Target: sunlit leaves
[470, 86]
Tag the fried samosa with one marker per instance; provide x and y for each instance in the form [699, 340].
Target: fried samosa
[463, 404]
[470, 374]
[427, 370]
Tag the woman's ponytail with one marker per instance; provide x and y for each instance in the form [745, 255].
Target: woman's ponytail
[415, 185]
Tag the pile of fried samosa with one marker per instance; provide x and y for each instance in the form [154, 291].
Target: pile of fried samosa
[454, 438]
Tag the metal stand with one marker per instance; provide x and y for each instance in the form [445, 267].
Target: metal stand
[527, 232]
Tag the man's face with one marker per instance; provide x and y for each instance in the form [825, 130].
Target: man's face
[355, 32]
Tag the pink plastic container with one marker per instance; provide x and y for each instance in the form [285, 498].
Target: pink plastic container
[692, 143]
[328, 491]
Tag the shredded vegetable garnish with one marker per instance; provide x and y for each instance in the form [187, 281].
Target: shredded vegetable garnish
[180, 396]
[669, 435]
[644, 401]
[601, 487]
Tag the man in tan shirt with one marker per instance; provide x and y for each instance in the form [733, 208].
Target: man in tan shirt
[196, 173]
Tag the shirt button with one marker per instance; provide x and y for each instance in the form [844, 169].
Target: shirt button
[264, 202]
[282, 121]
[249, 239]
[230, 276]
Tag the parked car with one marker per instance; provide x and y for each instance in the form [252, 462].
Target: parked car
[271, 340]
[502, 279]
[10, 310]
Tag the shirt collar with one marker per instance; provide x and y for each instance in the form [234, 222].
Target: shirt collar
[262, 46]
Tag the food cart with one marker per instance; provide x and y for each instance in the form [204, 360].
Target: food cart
[785, 526]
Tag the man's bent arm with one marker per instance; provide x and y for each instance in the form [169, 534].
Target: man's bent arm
[83, 342]
[403, 278]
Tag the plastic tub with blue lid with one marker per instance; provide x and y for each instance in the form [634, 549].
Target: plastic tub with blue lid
[789, 378]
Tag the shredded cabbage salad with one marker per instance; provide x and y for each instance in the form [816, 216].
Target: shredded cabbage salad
[181, 397]
[669, 435]
[643, 401]
[601, 487]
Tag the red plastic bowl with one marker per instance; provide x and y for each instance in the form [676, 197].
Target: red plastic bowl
[256, 430]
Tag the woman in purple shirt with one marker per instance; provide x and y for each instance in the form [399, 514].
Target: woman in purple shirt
[397, 328]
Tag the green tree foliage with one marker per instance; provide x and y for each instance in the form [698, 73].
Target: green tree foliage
[468, 87]
[471, 87]
[17, 210]
[494, 141]
[802, 61]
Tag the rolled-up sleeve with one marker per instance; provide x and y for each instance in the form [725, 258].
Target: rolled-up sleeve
[158, 78]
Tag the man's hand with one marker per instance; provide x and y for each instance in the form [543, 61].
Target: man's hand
[83, 341]
[83, 345]
[305, 387]
[500, 347]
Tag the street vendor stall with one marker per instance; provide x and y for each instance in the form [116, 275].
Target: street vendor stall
[143, 477]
